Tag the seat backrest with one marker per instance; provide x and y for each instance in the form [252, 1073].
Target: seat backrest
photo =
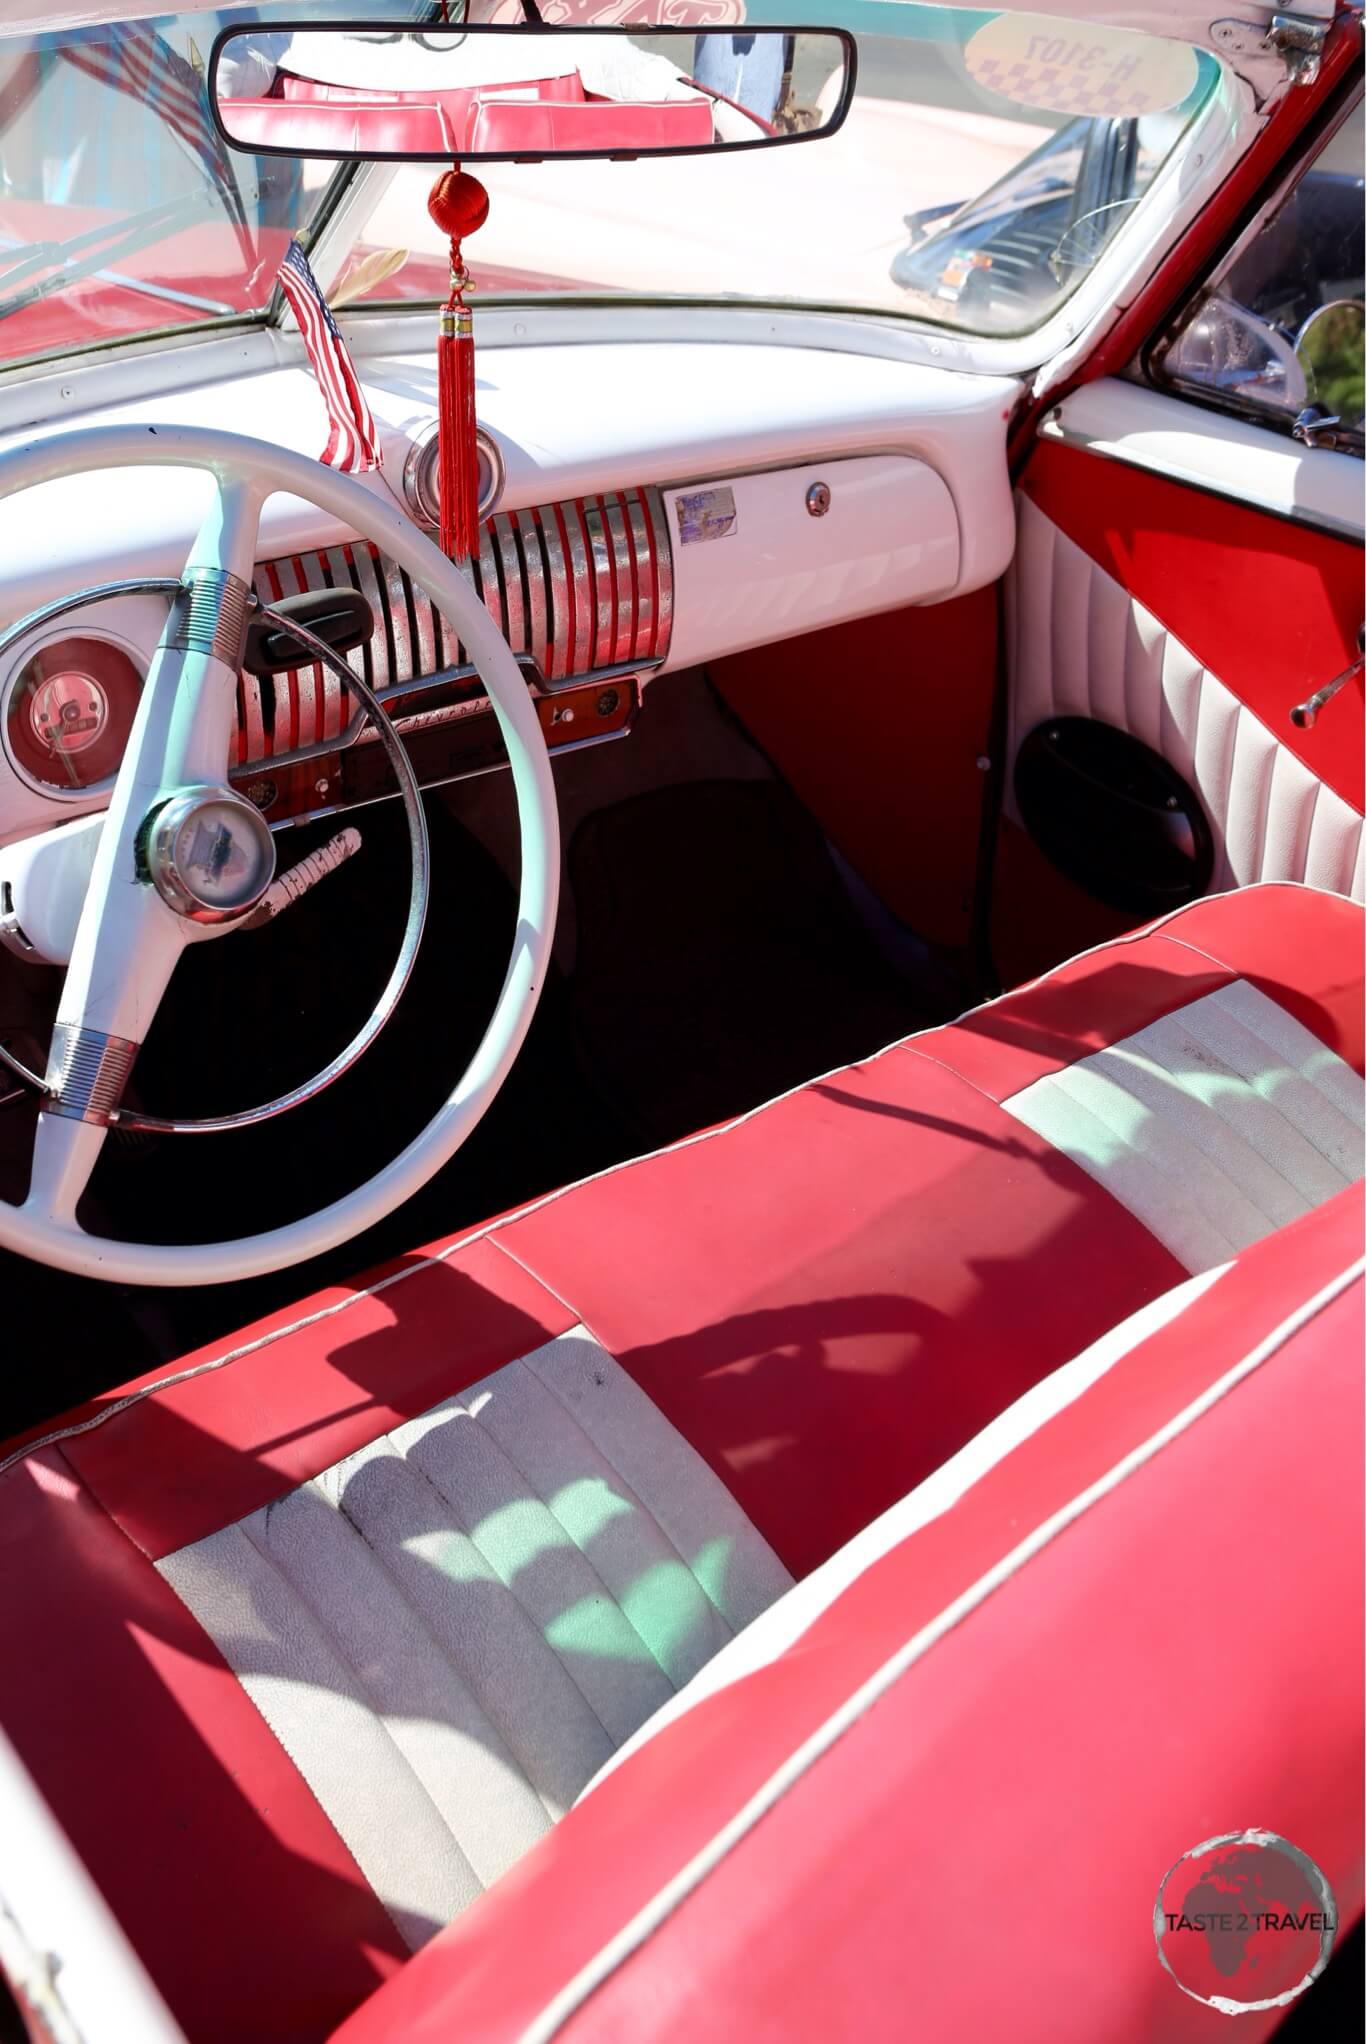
[946, 1774]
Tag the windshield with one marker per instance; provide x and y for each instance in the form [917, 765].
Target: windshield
[987, 162]
[121, 213]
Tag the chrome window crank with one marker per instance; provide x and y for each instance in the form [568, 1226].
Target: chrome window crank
[1305, 715]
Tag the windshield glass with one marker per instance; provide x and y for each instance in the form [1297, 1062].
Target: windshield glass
[121, 213]
[973, 184]
[987, 162]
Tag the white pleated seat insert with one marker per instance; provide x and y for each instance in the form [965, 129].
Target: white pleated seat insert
[453, 1629]
[1215, 1124]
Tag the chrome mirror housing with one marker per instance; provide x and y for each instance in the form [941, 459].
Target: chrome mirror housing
[488, 94]
[1330, 349]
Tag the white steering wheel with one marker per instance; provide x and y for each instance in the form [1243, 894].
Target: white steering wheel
[139, 912]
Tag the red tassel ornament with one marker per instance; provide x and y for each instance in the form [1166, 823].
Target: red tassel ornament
[458, 204]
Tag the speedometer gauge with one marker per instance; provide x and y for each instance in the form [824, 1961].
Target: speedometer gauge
[70, 711]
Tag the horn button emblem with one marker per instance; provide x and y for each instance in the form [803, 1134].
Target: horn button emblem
[210, 854]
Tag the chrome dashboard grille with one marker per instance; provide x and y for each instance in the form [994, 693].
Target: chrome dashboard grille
[579, 588]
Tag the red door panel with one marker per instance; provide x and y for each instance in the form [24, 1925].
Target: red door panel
[1270, 607]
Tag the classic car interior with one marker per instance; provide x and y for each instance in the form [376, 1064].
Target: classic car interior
[641, 1172]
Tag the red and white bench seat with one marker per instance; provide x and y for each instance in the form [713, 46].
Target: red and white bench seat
[325, 1630]
[934, 1791]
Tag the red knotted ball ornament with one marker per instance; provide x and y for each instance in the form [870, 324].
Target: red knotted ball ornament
[459, 205]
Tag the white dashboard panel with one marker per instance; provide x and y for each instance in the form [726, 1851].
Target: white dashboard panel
[921, 506]
[570, 421]
[763, 557]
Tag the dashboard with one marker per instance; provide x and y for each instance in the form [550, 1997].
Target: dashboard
[646, 507]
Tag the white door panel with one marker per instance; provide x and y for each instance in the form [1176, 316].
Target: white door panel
[1235, 458]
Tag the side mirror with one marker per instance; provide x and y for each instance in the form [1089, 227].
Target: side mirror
[489, 94]
[1330, 349]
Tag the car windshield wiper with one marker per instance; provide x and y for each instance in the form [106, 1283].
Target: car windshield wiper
[89, 254]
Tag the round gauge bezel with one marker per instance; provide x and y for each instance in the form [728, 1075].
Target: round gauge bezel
[59, 634]
[418, 493]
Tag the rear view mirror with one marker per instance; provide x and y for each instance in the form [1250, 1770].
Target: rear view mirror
[496, 94]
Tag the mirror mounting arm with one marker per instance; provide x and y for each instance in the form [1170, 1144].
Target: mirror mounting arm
[1316, 427]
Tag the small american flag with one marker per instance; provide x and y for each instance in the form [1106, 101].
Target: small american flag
[132, 58]
[351, 442]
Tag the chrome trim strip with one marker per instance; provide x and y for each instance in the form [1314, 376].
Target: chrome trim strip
[284, 695]
[595, 523]
[300, 682]
[581, 658]
[288, 576]
[623, 581]
[424, 616]
[210, 616]
[489, 581]
[336, 704]
[514, 606]
[664, 567]
[343, 577]
[528, 539]
[647, 575]
[368, 583]
[578, 587]
[251, 732]
[558, 597]
[470, 570]
[87, 1072]
[394, 583]
[34, 620]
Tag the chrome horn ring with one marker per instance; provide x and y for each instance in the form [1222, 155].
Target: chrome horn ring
[409, 789]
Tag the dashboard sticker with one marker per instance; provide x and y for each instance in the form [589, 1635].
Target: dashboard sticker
[1107, 73]
[705, 514]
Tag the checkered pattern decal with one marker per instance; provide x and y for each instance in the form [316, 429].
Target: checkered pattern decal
[1104, 93]
[1080, 69]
